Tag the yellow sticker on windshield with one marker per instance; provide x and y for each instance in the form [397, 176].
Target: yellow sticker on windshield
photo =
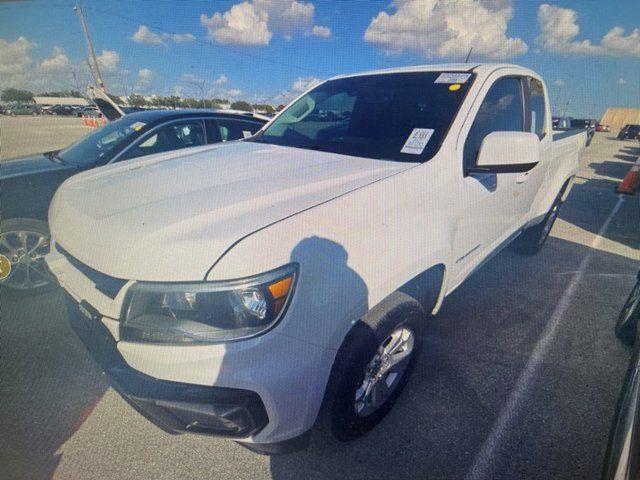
[454, 87]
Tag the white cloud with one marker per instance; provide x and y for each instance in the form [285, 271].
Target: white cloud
[232, 93]
[179, 37]
[320, 31]
[57, 62]
[559, 30]
[221, 80]
[108, 60]
[447, 28]
[145, 74]
[559, 83]
[621, 81]
[254, 22]
[14, 56]
[304, 83]
[144, 35]
[149, 37]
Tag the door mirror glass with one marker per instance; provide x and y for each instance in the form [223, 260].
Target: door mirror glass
[508, 152]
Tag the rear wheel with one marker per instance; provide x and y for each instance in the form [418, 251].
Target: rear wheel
[533, 238]
[25, 242]
[372, 367]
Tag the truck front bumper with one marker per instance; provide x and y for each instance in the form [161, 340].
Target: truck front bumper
[175, 407]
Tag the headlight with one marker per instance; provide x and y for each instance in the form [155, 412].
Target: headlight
[206, 312]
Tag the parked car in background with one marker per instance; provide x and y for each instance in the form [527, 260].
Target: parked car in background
[629, 132]
[602, 128]
[25, 109]
[561, 123]
[242, 290]
[584, 124]
[63, 110]
[28, 184]
[88, 111]
[622, 461]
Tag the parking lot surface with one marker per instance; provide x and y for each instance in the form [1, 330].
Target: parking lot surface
[26, 135]
[518, 378]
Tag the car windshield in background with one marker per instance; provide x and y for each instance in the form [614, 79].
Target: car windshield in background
[103, 143]
[402, 116]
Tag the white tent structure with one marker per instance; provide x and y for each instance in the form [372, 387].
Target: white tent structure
[76, 101]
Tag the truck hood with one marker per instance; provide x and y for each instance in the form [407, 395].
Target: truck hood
[170, 217]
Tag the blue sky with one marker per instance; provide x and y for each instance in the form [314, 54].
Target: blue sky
[267, 50]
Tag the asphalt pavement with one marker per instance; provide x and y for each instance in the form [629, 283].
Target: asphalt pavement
[26, 135]
[518, 378]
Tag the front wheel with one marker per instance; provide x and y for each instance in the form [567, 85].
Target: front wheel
[372, 367]
[25, 242]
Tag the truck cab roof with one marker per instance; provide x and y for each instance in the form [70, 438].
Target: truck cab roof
[479, 68]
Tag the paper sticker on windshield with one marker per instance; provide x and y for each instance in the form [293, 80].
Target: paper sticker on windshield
[246, 134]
[417, 141]
[453, 78]
[137, 125]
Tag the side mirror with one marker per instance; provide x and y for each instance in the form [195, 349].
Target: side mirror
[508, 152]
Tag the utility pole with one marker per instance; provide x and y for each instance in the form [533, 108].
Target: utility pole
[93, 61]
[566, 106]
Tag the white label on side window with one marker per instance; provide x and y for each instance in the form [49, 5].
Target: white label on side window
[453, 78]
[246, 133]
[417, 141]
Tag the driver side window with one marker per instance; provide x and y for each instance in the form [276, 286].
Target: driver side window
[502, 110]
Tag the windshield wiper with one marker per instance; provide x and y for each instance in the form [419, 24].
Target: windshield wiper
[55, 157]
[257, 139]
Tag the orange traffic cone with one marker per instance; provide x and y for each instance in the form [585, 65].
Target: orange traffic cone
[631, 181]
[84, 121]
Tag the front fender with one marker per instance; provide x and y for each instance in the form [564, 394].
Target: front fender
[352, 252]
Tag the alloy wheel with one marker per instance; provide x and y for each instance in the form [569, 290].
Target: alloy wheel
[25, 251]
[385, 370]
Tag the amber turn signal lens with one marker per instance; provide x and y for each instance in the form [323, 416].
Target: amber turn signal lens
[279, 291]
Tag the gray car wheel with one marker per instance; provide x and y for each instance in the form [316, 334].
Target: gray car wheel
[25, 242]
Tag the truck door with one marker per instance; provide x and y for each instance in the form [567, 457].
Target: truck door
[493, 203]
[529, 185]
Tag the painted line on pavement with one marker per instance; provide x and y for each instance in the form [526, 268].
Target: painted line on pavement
[485, 456]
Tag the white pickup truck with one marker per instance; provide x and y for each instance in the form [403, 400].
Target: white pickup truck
[254, 289]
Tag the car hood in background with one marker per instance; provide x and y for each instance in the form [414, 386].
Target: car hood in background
[29, 165]
[170, 217]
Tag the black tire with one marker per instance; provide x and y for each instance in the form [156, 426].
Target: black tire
[533, 238]
[339, 415]
[36, 229]
[627, 323]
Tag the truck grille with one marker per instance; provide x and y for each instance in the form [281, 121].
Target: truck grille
[110, 286]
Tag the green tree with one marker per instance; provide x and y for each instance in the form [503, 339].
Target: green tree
[15, 95]
[241, 105]
[136, 100]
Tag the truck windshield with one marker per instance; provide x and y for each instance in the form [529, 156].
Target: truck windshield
[401, 116]
[104, 143]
